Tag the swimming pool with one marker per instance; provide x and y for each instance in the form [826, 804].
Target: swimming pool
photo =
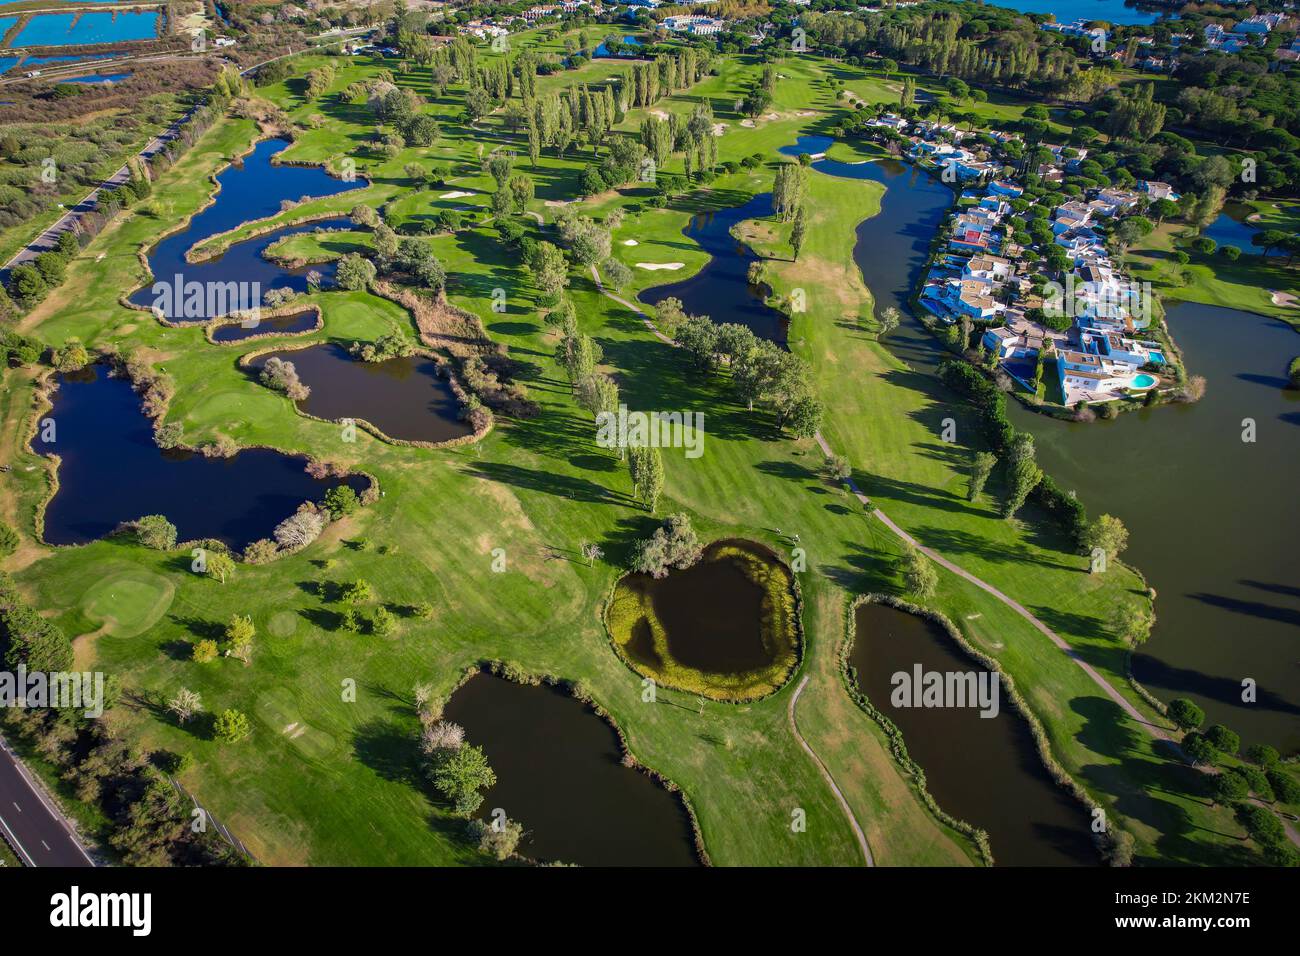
[1142, 380]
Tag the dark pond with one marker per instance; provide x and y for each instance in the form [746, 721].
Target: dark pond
[404, 398]
[721, 290]
[290, 324]
[111, 471]
[711, 613]
[559, 773]
[984, 770]
[252, 190]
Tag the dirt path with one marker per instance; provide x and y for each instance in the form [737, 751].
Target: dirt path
[835, 788]
[600, 287]
[1156, 732]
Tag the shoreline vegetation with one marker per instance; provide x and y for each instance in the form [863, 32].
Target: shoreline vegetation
[639, 637]
[524, 505]
[579, 691]
[1113, 844]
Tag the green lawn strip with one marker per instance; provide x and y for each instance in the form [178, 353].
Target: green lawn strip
[1274, 214]
[345, 789]
[1246, 284]
[886, 420]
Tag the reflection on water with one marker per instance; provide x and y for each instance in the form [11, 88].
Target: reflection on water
[559, 773]
[111, 471]
[1210, 516]
[405, 398]
[986, 771]
[252, 190]
[721, 290]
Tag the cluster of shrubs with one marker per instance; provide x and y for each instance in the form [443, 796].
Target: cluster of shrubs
[156, 388]
[282, 376]
[148, 821]
[31, 282]
[26, 637]
[674, 544]
[459, 770]
[1000, 435]
[18, 349]
[393, 345]
[1262, 775]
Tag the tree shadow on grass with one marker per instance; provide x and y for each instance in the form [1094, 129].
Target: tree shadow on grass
[620, 544]
[390, 750]
[548, 482]
[177, 650]
[1146, 775]
[864, 569]
[953, 544]
[911, 492]
[202, 628]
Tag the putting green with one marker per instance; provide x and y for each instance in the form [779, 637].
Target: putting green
[279, 711]
[127, 603]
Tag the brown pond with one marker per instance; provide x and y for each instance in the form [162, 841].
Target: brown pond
[984, 770]
[291, 324]
[560, 774]
[405, 398]
[712, 614]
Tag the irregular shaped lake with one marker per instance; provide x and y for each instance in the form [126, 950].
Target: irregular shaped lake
[251, 190]
[405, 398]
[559, 773]
[721, 290]
[111, 471]
[1190, 491]
[984, 770]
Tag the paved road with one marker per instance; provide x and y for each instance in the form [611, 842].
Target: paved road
[32, 826]
[47, 239]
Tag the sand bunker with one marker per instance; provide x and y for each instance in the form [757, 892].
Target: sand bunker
[455, 194]
[630, 242]
[1285, 299]
[656, 266]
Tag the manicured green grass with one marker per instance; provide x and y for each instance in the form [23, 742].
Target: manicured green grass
[1246, 284]
[327, 779]
[887, 424]
[128, 602]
